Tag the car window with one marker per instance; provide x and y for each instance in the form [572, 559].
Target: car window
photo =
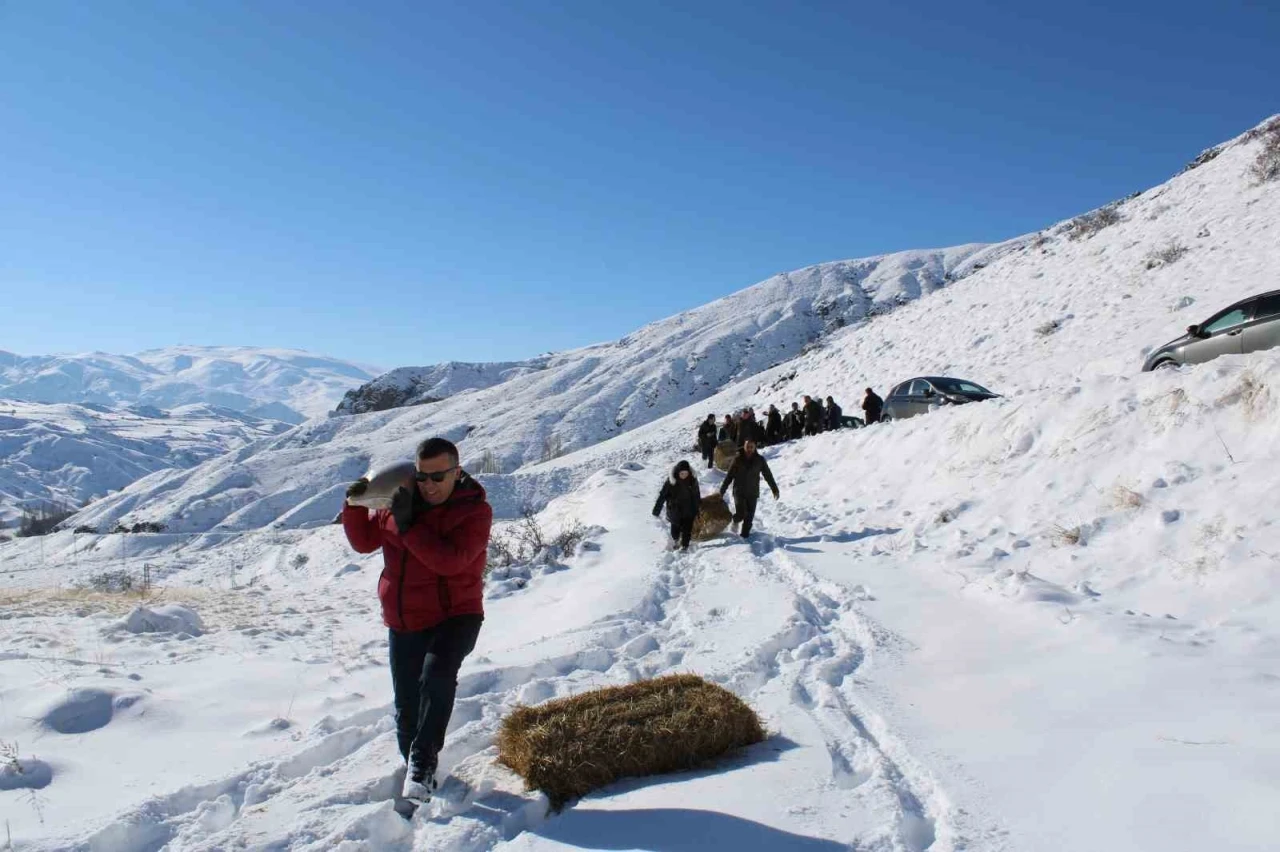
[1227, 320]
[1267, 306]
[900, 390]
[960, 386]
[919, 386]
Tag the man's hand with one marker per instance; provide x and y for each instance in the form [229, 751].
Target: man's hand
[402, 510]
[358, 487]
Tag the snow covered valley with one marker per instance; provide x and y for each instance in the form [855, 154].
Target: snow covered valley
[1044, 622]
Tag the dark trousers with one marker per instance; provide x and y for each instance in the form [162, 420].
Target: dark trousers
[681, 530]
[709, 454]
[744, 510]
[424, 677]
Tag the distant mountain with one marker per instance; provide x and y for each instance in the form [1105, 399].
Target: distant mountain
[278, 384]
[64, 454]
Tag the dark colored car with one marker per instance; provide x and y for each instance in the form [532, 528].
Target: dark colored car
[919, 395]
[1247, 326]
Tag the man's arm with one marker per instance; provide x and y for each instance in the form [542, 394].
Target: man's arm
[363, 531]
[768, 476]
[729, 477]
[456, 552]
[663, 495]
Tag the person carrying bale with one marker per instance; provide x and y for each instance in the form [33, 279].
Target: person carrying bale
[683, 498]
[707, 439]
[434, 540]
[744, 475]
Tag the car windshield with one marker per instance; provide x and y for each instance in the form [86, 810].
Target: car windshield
[958, 386]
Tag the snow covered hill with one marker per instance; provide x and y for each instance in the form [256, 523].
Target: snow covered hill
[607, 389]
[1044, 623]
[280, 384]
[69, 454]
[546, 407]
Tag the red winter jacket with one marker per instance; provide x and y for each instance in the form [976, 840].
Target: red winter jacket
[436, 569]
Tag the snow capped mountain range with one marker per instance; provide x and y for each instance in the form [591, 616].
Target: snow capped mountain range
[1044, 622]
[65, 455]
[279, 384]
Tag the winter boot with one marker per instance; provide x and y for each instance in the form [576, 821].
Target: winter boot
[419, 782]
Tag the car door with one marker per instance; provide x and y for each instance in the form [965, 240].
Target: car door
[1225, 335]
[896, 403]
[921, 397]
[1263, 331]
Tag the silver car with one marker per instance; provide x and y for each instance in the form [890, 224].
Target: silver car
[1247, 326]
[920, 395]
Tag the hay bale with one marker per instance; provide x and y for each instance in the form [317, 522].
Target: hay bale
[726, 452]
[570, 746]
[713, 518]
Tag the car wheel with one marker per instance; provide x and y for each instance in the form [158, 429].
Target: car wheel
[1168, 365]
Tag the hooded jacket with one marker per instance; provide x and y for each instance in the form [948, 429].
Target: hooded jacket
[435, 569]
[683, 497]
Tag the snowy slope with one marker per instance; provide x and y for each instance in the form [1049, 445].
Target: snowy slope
[571, 400]
[69, 454]
[1039, 624]
[280, 384]
[671, 363]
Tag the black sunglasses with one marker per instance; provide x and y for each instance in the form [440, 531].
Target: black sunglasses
[436, 476]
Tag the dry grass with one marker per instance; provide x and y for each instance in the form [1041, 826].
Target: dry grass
[726, 452]
[1071, 536]
[1123, 497]
[57, 601]
[1167, 255]
[1267, 165]
[570, 746]
[1083, 227]
[713, 518]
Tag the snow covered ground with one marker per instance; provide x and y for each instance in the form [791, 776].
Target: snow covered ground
[1041, 623]
[280, 384]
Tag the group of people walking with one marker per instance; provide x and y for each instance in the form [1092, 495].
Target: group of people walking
[681, 494]
[810, 417]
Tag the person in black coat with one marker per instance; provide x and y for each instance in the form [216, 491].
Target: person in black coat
[833, 414]
[707, 439]
[795, 426]
[683, 499]
[872, 406]
[813, 418]
[773, 426]
[729, 429]
[744, 475]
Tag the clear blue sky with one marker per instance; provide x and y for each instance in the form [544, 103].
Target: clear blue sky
[405, 183]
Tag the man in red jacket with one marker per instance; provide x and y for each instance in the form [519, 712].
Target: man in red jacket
[434, 540]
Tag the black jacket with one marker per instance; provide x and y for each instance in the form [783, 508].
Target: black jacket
[833, 412]
[813, 414]
[729, 431]
[707, 436]
[682, 497]
[744, 474]
[773, 429]
[795, 423]
[872, 405]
